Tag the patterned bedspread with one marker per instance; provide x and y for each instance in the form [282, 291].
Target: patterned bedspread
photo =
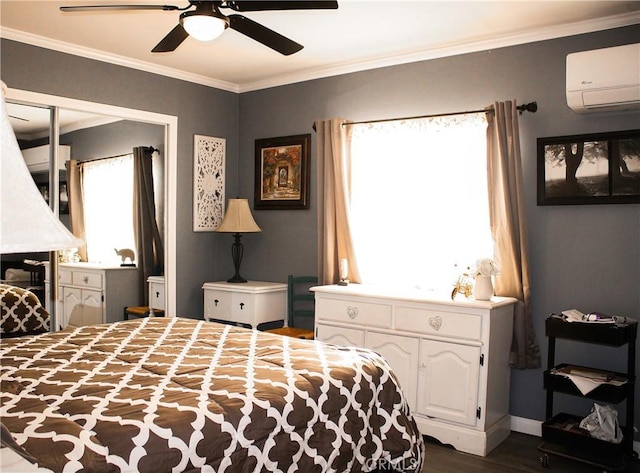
[21, 313]
[175, 395]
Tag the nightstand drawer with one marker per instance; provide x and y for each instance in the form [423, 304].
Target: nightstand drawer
[217, 305]
[435, 322]
[87, 279]
[156, 292]
[353, 312]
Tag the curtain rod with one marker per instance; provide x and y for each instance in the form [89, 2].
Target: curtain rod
[153, 150]
[528, 107]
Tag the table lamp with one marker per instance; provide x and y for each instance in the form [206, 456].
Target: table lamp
[237, 219]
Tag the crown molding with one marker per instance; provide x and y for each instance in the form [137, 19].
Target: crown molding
[542, 34]
[61, 46]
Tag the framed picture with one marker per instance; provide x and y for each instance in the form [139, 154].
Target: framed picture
[63, 202]
[208, 182]
[600, 168]
[282, 173]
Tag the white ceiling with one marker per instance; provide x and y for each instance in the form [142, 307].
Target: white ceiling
[358, 35]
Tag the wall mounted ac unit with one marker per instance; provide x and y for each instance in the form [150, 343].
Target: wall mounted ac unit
[604, 79]
[37, 158]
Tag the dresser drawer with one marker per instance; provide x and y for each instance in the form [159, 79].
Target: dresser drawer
[87, 279]
[64, 276]
[354, 312]
[435, 322]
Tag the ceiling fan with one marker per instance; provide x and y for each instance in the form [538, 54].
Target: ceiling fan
[203, 20]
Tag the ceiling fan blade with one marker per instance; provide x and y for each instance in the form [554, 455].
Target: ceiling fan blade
[263, 35]
[80, 8]
[170, 42]
[243, 6]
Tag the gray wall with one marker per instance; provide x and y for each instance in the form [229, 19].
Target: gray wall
[587, 257]
[113, 139]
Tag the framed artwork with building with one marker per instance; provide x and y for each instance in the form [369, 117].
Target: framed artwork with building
[282, 173]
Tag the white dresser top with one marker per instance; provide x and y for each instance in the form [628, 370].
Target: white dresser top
[414, 295]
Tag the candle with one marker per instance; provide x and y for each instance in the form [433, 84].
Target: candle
[344, 269]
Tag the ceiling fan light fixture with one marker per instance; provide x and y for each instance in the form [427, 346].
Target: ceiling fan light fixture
[203, 26]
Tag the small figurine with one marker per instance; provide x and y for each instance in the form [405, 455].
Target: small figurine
[464, 285]
[126, 254]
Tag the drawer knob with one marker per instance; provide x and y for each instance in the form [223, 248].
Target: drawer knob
[352, 312]
[86, 279]
[435, 322]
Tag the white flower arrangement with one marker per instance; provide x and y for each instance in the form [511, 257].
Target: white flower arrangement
[486, 267]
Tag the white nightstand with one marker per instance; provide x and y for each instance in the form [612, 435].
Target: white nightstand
[250, 304]
[156, 292]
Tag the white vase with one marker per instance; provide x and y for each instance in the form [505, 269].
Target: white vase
[483, 288]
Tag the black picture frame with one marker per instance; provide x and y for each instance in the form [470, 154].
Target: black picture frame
[596, 168]
[282, 173]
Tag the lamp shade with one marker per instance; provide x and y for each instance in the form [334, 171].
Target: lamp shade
[238, 218]
[27, 222]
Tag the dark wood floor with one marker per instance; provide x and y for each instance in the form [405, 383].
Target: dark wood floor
[518, 454]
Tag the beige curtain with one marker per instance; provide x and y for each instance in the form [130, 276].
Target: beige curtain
[508, 227]
[334, 176]
[76, 206]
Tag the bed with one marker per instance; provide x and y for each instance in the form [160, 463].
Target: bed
[181, 395]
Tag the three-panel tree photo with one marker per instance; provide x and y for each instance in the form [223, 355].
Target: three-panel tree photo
[589, 169]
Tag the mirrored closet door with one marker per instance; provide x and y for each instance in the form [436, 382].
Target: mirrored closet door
[96, 147]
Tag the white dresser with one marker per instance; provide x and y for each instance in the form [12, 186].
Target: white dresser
[251, 304]
[92, 293]
[451, 357]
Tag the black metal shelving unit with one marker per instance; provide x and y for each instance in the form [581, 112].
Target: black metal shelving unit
[560, 433]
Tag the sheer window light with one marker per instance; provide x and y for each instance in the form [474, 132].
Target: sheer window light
[419, 200]
[108, 200]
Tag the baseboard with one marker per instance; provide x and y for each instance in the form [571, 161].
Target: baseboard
[534, 427]
[526, 426]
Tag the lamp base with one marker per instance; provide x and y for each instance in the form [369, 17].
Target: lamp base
[236, 254]
[237, 279]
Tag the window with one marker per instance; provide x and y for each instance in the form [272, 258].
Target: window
[419, 204]
[108, 208]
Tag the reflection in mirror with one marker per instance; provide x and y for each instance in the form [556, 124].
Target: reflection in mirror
[96, 176]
